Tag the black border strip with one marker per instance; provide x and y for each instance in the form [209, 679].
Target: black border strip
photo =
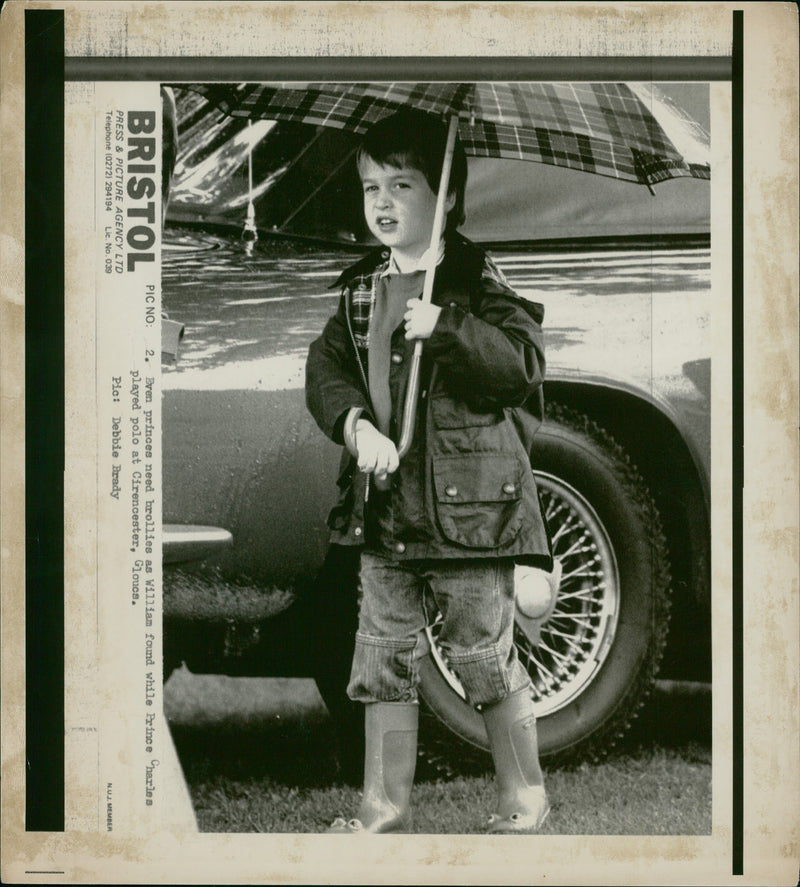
[452, 68]
[44, 420]
[737, 439]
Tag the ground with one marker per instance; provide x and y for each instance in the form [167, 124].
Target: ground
[259, 756]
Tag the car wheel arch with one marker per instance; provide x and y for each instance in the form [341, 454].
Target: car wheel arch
[604, 401]
[668, 464]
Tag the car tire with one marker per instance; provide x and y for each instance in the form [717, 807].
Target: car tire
[614, 592]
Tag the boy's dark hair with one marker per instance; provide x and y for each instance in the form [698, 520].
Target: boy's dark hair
[416, 139]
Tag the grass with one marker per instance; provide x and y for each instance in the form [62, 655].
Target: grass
[259, 756]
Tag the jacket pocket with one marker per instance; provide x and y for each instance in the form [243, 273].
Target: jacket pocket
[478, 498]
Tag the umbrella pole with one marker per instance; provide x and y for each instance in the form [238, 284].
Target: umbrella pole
[250, 232]
[412, 389]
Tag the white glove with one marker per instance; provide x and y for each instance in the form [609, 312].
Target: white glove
[421, 318]
[377, 453]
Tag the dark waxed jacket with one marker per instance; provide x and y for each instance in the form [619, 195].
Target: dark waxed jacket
[465, 488]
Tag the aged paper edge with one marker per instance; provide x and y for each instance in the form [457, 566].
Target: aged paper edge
[770, 552]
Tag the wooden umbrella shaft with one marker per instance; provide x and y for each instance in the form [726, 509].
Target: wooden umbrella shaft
[412, 389]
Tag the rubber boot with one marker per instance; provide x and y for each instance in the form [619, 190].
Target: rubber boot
[390, 730]
[522, 804]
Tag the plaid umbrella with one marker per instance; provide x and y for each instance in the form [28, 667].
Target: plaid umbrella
[626, 131]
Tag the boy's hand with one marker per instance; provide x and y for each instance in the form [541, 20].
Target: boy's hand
[421, 318]
[376, 453]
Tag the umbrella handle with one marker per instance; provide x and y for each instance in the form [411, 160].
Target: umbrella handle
[410, 405]
[412, 388]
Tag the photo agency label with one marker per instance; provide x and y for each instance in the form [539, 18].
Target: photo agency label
[128, 401]
[131, 160]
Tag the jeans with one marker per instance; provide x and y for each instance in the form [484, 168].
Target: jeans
[399, 598]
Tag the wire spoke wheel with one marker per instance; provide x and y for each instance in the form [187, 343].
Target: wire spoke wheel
[577, 636]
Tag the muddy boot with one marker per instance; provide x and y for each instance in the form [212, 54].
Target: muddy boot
[390, 729]
[522, 804]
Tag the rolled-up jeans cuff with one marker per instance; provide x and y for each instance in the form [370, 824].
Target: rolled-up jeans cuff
[482, 674]
[384, 669]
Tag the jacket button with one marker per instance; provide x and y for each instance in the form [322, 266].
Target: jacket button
[397, 357]
[509, 489]
[451, 491]
[400, 548]
[454, 305]
[357, 531]
[385, 254]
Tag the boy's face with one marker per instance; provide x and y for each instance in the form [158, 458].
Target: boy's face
[399, 206]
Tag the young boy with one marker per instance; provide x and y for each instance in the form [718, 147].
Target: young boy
[442, 528]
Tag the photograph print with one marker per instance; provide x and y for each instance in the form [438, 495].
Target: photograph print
[436, 372]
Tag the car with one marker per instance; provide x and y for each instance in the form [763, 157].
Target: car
[622, 462]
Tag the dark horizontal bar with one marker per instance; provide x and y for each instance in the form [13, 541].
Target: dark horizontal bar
[450, 68]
